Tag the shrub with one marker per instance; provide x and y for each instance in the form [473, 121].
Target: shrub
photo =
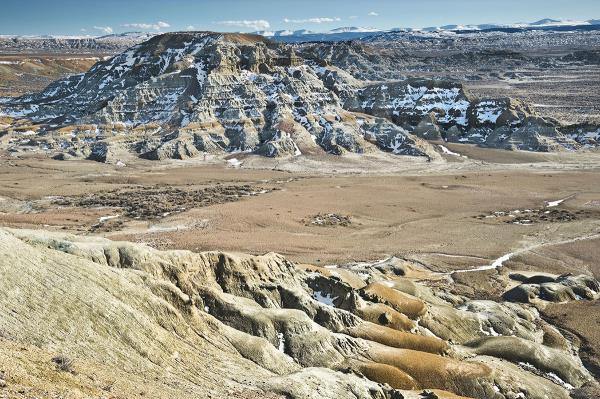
[63, 363]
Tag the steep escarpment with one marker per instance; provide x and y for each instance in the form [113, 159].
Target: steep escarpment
[182, 94]
[229, 324]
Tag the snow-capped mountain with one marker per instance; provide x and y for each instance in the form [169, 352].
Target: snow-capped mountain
[545, 23]
[121, 41]
[358, 33]
[354, 29]
[285, 32]
[137, 37]
[304, 35]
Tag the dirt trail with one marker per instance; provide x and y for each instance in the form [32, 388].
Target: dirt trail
[499, 262]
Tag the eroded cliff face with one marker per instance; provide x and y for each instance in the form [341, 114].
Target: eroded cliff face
[184, 93]
[436, 110]
[230, 324]
[181, 94]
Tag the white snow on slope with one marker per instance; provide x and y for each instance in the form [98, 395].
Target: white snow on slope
[446, 151]
[488, 111]
[496, 264]
[326, 299]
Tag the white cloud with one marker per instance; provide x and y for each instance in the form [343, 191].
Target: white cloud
[190, 27]
[155, 26]
[83, 30]
[373, 14]
[317, 20]
[352, 17]
[259, 24]
[105, 29]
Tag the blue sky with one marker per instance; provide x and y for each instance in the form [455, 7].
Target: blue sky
[77, 17]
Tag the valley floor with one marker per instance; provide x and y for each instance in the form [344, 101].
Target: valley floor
[416, 208]
[529, 212]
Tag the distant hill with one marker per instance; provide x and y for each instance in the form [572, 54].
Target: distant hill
[110, 43]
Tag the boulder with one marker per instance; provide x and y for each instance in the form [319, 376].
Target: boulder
[551, 289]
[428, 128]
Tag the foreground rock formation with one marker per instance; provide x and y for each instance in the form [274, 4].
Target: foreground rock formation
[189, 324]
[181, 94]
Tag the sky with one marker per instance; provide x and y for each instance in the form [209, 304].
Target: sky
[98, 17]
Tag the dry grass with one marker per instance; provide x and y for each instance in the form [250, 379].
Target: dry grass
[399, 339]
[401, 302]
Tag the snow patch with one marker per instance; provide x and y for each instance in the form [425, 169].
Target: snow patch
[326, 299]
[107, 218]
[234, 162]
[495, 265]
[446, 151]
[553, 204]
[281, 345]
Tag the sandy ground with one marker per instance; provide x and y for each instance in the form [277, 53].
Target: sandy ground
[427, 211]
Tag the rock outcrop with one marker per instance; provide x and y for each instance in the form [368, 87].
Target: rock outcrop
[181, 94]
[436, 110]
[559, 289]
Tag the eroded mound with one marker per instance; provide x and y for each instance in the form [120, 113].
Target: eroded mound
[237, 325]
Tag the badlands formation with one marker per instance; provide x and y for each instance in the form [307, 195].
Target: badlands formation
[145, 322]
[434, 244]
[179, 95]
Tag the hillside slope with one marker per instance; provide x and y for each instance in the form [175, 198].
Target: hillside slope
[138, 321]
[182, 94]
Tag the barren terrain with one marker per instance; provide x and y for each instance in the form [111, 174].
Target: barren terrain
[422, 211]
[426, 215]
[23, 73]
[446, 270]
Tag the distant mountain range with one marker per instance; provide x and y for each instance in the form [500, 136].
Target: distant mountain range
[353, 33]
[106, 38]
[120, 41]
[542, 23]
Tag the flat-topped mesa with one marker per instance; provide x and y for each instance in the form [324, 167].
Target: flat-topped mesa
[180, 94]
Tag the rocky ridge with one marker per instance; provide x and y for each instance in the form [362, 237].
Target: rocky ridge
[182, 94]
